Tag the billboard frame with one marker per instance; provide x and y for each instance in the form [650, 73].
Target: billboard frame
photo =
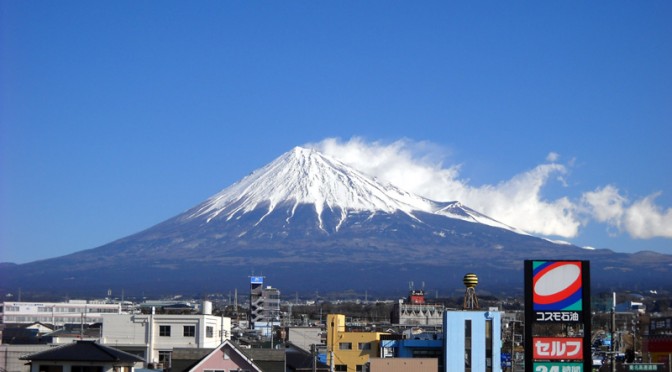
[557, 307]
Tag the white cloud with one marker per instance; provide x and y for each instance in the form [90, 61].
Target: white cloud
[606, 205]
[641, 219]
[645, 220]
[418, 167]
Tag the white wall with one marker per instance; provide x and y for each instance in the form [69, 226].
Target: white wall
[122, 330]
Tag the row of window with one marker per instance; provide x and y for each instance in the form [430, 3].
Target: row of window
[187, 331]
[47, 319]
[360, 346]
[344, 367]
[59, 309]
[223, 370]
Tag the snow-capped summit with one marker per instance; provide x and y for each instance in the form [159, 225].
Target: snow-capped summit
[304, 176]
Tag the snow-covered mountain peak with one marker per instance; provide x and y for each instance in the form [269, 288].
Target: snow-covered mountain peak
[306, 176]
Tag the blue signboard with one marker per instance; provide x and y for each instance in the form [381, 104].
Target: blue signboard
[505, 360]
[256, 280]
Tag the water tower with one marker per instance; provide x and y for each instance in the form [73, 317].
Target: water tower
[470, 300]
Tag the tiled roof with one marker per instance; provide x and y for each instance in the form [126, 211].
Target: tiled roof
[83, 351]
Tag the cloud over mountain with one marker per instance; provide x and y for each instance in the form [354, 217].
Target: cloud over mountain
[518, 201]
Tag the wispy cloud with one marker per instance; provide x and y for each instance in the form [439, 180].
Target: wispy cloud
[641, 219]
[517, 201]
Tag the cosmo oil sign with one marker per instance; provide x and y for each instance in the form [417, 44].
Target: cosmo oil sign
[557, 292]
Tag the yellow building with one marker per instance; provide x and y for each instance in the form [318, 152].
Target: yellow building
[349, 351]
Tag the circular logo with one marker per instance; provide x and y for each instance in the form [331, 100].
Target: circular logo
[557, 283]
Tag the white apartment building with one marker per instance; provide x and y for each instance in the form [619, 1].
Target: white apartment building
[153, 337]
[56, 313]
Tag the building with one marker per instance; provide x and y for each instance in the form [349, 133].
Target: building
[264, 311]
[414, 345]
[416, 311]
[82, 356]
[229, 357]
[472, 341]
[154, 336]
[657, 347]
[349, 350]
[56, 313]
[264, 303]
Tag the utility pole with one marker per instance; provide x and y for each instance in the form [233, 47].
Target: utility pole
[331, 351]
[612, 325]
[513, 346]
[313, 353]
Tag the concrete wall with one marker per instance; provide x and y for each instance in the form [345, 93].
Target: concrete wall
[403, 365]
[303, 337]
[10, 354]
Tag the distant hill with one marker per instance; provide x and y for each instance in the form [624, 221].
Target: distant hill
[310, 223]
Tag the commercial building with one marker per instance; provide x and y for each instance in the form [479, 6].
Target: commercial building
[349, 350]
[416, 311]
[56, 313]
[472, 341]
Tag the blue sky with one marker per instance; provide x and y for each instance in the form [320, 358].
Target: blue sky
[115, 116]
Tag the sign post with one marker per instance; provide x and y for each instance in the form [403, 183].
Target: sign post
[557, 293]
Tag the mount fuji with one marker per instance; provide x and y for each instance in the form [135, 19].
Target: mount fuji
[311, 223]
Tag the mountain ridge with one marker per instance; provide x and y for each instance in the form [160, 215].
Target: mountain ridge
[309, 220]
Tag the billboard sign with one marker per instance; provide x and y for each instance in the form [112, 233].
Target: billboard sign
[256, 280]
[557, 292]
[561, 348]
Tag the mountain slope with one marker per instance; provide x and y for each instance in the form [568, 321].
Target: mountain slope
[310, 222]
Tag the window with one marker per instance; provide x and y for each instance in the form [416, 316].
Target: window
[164, 358]
[345, 346]
[341, 367]
[364, 346]
[467, 345]
[209, 332]
[86, 369]
[189, 331]
[359, 368]
[164, 331]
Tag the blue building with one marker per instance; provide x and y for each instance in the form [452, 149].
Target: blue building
[472, 341]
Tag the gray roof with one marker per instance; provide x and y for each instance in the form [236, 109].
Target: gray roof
[84, 351]
[268, 360]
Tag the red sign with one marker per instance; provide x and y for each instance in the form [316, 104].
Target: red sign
[553, 348]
